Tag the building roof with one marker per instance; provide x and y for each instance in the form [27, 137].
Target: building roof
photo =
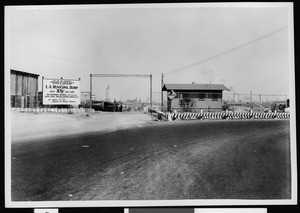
[127, 103]
[194, 87]
[18, 72]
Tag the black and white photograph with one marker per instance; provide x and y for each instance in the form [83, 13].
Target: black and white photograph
[167, 104]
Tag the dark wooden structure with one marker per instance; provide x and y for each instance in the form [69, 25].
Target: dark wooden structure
[23, 89]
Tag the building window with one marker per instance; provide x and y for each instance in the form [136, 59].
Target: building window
[186, 95]
[202, 96]
[193, 95]
[215, 96]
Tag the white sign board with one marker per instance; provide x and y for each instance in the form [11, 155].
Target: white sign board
[61, 92]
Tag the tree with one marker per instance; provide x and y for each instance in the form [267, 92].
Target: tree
[225, 106]
[187, 104]
[281, 107]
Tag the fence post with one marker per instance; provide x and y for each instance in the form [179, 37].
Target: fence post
[260, 98]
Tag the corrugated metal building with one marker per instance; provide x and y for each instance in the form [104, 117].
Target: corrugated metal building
[23, 89]
[207, 97]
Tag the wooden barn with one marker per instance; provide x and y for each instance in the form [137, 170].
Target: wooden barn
[23, 89]
[205, 97]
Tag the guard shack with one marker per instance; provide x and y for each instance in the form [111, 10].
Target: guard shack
[205, 97]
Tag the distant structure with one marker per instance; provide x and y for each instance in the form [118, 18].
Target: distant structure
[206, 97]
[23, 89]
[133, 105]
[85, 96]
[107, 93]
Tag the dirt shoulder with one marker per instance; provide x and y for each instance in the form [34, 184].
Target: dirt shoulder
[27, 126]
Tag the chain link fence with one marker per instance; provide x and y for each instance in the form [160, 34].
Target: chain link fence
[265, 100]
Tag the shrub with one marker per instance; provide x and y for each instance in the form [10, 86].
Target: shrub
[187, 104]
[273, 107]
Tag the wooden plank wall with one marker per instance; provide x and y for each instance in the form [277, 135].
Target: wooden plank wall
[21, 86]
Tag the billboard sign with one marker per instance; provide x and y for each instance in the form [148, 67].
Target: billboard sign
[61, 92]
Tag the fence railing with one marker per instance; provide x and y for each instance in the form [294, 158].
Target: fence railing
[54, 110]
[219, 116]
[254, 98]
[264, 100]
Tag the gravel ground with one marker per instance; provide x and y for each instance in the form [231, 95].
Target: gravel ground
[28, 126]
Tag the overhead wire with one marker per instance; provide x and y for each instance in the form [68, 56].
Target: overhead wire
[66, 59]
[225, 52]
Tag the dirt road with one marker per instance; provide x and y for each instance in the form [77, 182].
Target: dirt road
[247, 159]
[29, 126]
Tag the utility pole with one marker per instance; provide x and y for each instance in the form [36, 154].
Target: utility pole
[260, 98]
[91, 88]
[151, 91]
[250, 96]
[162, 97]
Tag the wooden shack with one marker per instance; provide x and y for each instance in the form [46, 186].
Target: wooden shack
[23, 89]
[206, 97]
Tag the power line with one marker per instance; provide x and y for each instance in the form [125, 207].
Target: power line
[225, 52]
[65, 59]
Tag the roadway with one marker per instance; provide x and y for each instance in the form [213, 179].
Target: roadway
[242, 159]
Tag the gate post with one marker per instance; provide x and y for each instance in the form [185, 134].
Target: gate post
[91, 88]
[151, 91]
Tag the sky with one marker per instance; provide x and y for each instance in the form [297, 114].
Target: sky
[74, 42]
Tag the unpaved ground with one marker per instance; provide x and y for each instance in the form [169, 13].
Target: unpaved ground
[239, 159]
[27, 126]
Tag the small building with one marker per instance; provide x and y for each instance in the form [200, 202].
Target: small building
[23, 89]
[85, 97]
[205, 97]
[128, 105]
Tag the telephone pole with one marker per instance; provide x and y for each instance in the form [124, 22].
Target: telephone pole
[162, 97]
[91, 88]
[151, 91]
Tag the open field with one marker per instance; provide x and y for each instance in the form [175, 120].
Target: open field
[243, 159]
